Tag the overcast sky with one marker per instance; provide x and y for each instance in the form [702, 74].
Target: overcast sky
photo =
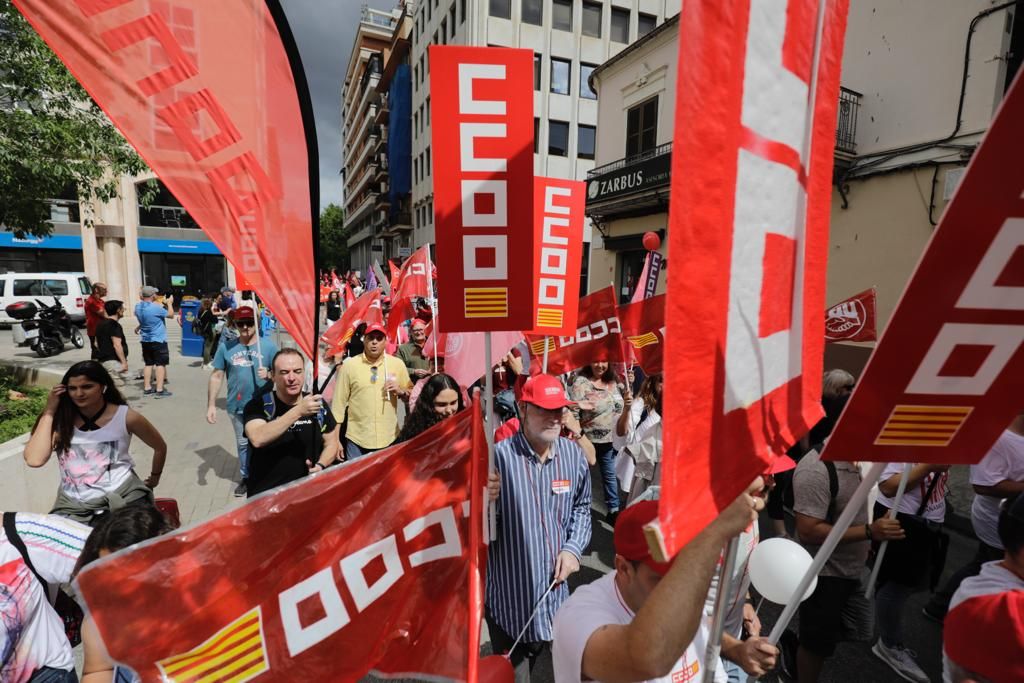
[324, 30]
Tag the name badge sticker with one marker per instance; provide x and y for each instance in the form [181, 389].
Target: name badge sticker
[560, 486]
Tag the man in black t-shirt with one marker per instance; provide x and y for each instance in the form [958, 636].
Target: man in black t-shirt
[290, 435]
[111, 348]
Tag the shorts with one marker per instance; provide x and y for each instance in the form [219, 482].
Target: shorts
[114, 368]
[155, 353]
[836, 611]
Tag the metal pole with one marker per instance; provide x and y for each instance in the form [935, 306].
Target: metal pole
[544, 369]
[721, 605]
[492, 516]
[869, 592]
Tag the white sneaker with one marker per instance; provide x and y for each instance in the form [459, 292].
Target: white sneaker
[900, 660]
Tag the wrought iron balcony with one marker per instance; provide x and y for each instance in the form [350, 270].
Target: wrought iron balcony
[846, 126]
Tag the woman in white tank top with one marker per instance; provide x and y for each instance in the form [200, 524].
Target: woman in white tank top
[89, 426]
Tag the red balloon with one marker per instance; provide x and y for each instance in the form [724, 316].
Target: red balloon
[496, 669]
[651, 241]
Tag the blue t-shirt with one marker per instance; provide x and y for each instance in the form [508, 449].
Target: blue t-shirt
[241, 364]
[150, 317]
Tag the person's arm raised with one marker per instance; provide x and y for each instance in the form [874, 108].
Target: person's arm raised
[40, 445]
[263, 433]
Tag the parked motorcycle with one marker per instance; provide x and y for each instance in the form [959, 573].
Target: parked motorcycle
[45, 329]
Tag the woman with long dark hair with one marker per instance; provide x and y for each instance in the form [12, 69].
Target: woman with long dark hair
[599, 399]
[638, 438]
[333, 306]
[88, 424]
[439, 398]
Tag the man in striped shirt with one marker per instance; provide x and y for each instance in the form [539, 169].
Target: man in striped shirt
[543, 525]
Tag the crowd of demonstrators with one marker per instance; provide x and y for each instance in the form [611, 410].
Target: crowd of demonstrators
[245, 361]
[88, 424]
[638, 439]
[111, 348]
[598, 394]
[998, 475]
[151, 318]
[95, 312]
[984, 628]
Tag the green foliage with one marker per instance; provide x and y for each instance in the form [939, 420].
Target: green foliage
[333, 240]
[52, 135]
[18, 416]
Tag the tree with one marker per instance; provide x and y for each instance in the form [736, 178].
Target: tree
[52, 135]
[333, 240]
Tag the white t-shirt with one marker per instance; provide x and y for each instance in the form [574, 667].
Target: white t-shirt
[31, 633]
[598, 604]
[740, 584]
[1005, 462]
[97, 462]
[911, 502]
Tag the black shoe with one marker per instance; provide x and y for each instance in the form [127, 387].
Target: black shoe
[932, 614]
[241, 489]
[611, 517]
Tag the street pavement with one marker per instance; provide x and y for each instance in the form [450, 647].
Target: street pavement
[202, 471]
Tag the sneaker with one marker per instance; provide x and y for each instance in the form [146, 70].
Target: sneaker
[148, 392]
[241, 489]
[933, 615]
[162, 394]
[900, 660]
[611, 517]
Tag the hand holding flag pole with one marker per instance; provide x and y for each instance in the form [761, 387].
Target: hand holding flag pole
[869, 592]
[721, 605]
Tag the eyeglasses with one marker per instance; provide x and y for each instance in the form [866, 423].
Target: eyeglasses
[373, 374]
[245, 324]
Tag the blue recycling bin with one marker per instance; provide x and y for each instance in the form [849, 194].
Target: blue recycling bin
[191, 343]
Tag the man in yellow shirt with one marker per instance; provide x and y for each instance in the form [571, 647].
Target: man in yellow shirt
[368, 389]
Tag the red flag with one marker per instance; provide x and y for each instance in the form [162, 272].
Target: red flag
[945, 379]
[413, 282]
[350, 297]
[597, 337]
[558, 220]
[643, 328]
[325, 292]
[853, 319]
[482, 111]
[464, 353]
[394, 270]
[235, 145]
[365, 309]
[750, 200]
[376, 559]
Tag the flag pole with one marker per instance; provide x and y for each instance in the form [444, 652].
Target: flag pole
[545, 367]
[433, 304]
[721, 605]
[869, 592]
[492, 525]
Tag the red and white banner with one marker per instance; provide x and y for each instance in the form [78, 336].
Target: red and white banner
[365, 309]
[558, 208]
[643, 331]
[945, 379]
[230, 143]
[853, 319]
[463, 352]
[648, 282]
[482, 137]
[394, 271]
[749, 210]
[325, 292]
[413, 282]
[373, 559]
[596, 337]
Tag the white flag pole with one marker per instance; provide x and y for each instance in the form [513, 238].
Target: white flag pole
[544, 369]
[492, 516]
[869, 592]
[721, 605]
[433, 305]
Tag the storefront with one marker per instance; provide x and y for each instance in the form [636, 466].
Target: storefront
[183, 267]
[57, 253]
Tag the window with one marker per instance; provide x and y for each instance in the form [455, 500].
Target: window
[444, 31]
[462, 5]
[560, 76]
[536, 71]
[501, 9]
[427, 105]
[428, 170]
[561, 15]
[620, 25]
[642, 127]
[428, 12]
[592, 19]
[40, 288]
[645, 23]
[586, 92]
[533, 12]
[558, 138]
[585, 139]
[536, 135]
[83, 284]
[451, 18]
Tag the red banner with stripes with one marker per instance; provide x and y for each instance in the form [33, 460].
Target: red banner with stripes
[643, 329]
[596, 338]
[558, 208]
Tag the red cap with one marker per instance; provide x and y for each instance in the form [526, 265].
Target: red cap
[985, 636]
[376, 327]
[630, 541]
[545, 391]
[242, 313]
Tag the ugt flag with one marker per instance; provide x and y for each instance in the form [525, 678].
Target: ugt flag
[748, 223]
[852, 319]
[366, 567]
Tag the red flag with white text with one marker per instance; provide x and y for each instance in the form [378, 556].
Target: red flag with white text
[748, 222]
[376, 559]
[596, 337]
[235, 145]
[643, 329]
[413, 282]
[853, 319]
[558, 211]
[365, 309]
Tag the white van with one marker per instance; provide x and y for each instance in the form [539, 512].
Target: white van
[71, 288]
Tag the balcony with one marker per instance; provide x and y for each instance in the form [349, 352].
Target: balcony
[383, 110]
[635, 185]
[359, 210]
[846, 128]
[368, 174]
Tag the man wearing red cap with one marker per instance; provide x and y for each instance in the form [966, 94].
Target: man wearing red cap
[369, 386]
[645, 621]
[543, 526]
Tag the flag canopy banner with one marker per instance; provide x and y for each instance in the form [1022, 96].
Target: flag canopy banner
[412, 282]
[748, 222]
[482, 137]
[643, 329]
[365, 309]
[558, 254]
[463, 353]
[648, 282]
[853, 319]
[363, 568]
[596, 338]
[945, 379]
[235, 145]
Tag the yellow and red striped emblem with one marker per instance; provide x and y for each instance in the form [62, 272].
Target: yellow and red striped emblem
[549, 317]
[643, 340]
[234, 654]
[486, 302]
[922, 425]
[537, 347]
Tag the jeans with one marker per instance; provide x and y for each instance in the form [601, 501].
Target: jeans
[606, 462]
[523, 658]
[733, 671]
[242, 442]
[890, 601]
[939, 603]
[50, 675]
[354, 451]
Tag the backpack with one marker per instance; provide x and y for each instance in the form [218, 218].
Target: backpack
[270, 407]
[200, 328]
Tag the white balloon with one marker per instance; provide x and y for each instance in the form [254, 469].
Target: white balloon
[776, 567]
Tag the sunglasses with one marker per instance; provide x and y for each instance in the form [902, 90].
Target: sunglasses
[373, 374]
[244, 324]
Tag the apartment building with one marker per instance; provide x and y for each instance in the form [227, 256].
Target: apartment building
[569, 39]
